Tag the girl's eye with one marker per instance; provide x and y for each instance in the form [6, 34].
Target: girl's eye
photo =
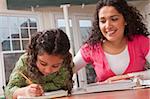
[57, 65]
[43, 64]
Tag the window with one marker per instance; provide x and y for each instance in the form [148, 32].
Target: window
[15, 32]
[61, 24]
[85, 25]
[79, 28]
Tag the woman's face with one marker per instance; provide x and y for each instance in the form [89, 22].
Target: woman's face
[111, 23]
[48, 63]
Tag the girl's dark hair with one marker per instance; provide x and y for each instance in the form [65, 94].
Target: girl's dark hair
[53, 42]
[132, 17]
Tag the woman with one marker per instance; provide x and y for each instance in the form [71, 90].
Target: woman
[118, 46]
[47, 63]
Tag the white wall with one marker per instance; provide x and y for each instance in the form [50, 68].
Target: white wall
[1, 73]
[3, 5]
[147, 15]
[144, 7]
[48, 13]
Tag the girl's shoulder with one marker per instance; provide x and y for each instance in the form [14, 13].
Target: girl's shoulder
[21, 64]
[23, 56]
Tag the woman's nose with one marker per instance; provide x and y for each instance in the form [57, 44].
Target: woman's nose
[108, 24]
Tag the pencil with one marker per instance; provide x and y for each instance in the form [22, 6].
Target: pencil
[28, 80]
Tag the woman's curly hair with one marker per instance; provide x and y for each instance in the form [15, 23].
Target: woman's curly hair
[53, 42]
[131, 15]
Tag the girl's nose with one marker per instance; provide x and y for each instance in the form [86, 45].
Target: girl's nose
[48, 70]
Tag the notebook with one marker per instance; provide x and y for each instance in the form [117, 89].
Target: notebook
[145, 82]
[116, 85]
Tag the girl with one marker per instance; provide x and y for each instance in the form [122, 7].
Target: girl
[47, 63]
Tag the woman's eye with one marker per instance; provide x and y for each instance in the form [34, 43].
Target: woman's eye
[114, 18]
[102, 21]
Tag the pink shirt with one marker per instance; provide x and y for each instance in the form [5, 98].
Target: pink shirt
[138, 49]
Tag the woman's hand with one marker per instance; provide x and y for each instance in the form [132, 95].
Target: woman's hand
[119, 77]
[30, 90]
[132, 76]
[116, 78]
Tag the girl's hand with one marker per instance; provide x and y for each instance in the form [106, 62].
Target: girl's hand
[30, 90]
[33, 90]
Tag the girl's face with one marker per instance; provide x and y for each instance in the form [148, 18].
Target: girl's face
[111, 23]
[48, 63]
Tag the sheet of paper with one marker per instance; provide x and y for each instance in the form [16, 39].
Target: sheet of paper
[47, 95]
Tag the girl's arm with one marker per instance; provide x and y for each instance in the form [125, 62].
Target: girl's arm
[30, 90]
[15, 79]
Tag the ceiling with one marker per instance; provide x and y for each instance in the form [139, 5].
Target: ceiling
[25, 4]
[21, 4]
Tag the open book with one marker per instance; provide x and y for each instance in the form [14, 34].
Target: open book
[91, 88]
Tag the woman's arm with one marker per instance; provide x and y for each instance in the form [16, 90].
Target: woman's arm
[79, 62]
[144, 75]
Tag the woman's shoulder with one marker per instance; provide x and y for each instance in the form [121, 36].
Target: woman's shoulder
[87, 46]
[140, 38]
[141, 42]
